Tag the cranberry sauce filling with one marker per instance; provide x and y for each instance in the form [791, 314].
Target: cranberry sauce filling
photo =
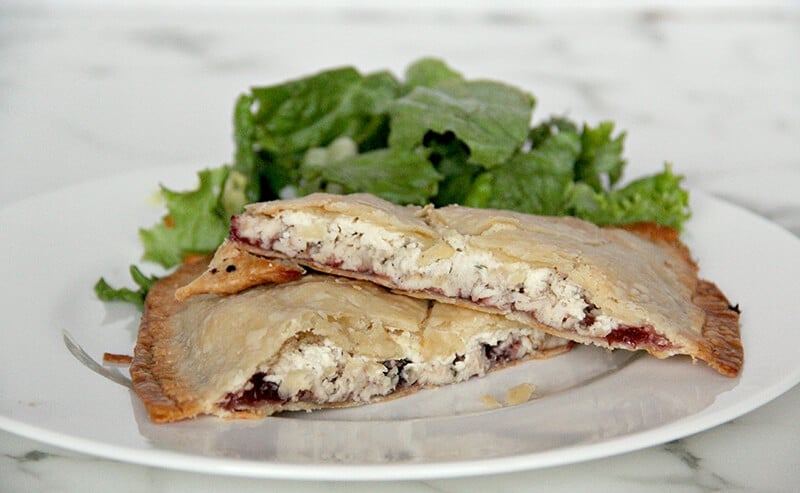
[260, 391]
[499, 354]
[236, 235]
[589, 312]
[636, 337]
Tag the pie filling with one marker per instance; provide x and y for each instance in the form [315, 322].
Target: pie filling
[314, 370]
[451, 269]
[636, 337]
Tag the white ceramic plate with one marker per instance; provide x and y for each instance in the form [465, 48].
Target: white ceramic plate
[589, 403]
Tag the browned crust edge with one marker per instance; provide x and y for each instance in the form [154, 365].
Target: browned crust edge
[149, 373]
[721, 344]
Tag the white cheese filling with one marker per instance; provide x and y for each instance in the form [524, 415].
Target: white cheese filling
[452, 268]
[323, 372]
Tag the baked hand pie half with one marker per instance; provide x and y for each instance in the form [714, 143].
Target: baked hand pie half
[631, 288]
[315, 342]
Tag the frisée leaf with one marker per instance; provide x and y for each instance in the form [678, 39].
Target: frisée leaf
[658, 198]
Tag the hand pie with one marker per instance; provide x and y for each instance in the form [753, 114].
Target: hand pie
[631, 288]
[315, 342]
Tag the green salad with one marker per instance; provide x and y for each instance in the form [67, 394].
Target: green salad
[431, 137]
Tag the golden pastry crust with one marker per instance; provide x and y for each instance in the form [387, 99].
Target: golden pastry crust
[199, 356]
[633, 287]
[721, 345]
[232, 270]
[164, 396]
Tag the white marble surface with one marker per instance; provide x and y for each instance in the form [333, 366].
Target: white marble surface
[89, 91]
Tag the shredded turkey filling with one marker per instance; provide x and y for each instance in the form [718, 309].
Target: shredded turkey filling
[315, 370]
[452, 269]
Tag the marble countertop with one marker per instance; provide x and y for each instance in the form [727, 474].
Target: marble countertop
[89, 91]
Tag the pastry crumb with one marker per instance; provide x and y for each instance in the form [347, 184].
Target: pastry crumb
[516, 395]
[490, 402]
[520, 394]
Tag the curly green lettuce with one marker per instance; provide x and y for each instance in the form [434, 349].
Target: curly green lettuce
[195, 222]
[433, 136]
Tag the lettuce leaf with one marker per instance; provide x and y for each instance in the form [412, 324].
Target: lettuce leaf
[450, 157]
[106, 292]
[491, 118]
[572, 172]
[195, 223]
[283, 121]
[397, 175]
[601, 163]
[429, 72]
[296, 115]
[534, 182]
